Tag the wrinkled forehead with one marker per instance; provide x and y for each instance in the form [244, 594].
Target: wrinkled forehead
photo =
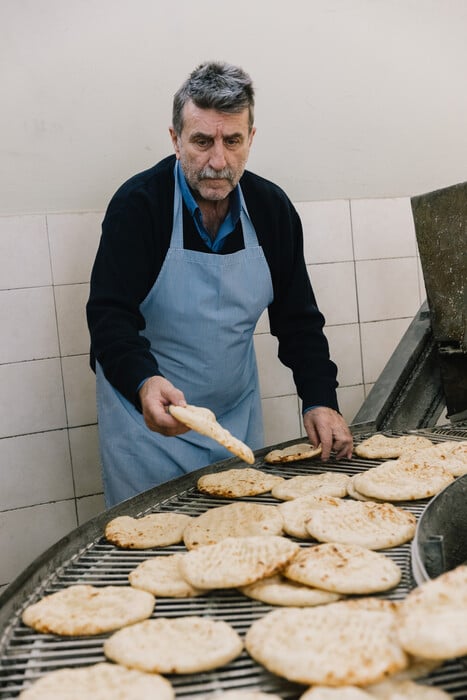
[211, 121]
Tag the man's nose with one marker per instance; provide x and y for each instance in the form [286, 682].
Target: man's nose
[217, 156]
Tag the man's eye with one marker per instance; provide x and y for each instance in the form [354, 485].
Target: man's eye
[232, 143]
[202, 143]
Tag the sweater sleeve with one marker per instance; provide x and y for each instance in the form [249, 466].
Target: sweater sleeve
[294, 316]
[123, 273]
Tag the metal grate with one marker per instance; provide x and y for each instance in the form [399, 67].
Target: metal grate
[26, 655]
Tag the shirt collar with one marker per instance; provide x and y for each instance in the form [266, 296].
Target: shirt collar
[230, 221]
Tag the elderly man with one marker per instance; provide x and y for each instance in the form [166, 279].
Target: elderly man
[192, 252]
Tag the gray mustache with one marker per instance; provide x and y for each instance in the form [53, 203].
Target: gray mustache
[209, 173]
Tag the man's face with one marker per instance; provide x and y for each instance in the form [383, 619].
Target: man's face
[213, 150]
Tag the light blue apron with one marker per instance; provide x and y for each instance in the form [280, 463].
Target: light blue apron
[200, 317]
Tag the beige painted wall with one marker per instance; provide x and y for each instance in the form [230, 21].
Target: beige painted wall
[355, 98]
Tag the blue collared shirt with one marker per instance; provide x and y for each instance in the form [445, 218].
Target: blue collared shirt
[227, 226]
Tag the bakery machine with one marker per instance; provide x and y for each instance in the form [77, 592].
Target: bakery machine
[427, 373]
[84, 556]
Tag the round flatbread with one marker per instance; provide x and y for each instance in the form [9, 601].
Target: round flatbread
[203, 421]
[102, 681]
[241, 695]
[384, 447]
[356, 495]
[344, 568]
[161, 576]
[344, 692]
[326, 484]
[432, 619]
[294, 513]
[418, 668]
[237, 561]
[236, 483]
[153, 530]
[368, 524]
[293, 453]
[399, 480]
[450, 455]
[392, 689]
[331, 645]
[233, 520]
[86, 610]
[176, 645]
[277, 590]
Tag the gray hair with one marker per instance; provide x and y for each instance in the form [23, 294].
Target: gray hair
[215, 85]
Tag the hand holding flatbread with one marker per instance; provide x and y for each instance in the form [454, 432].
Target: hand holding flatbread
[204, 422]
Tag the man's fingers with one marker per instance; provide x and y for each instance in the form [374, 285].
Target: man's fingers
[326, 446]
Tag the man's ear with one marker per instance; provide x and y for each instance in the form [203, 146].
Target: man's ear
[251, 136]
[174, 138]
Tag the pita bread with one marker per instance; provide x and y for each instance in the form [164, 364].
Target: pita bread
[344, 568]
[161, 577]
[432, 619]
[236, 483]
[237, 561]
[101, 681]
[405, 690]
[203, 421]
[326, 484]
[417, 668]
[241, 695]
[293, 453]
[450, 454]
[277, 590]
[347, 692]
[368, 524]
[175, 645]
[294, 513]
[386, 690]
[333, 645]
[399, 480]
[372, 603]
[448, 447]
[383, 447]
[86, 610]
[356, 495]
[154, 530]
[233, 520]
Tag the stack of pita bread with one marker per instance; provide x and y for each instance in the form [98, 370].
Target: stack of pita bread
[416, 468]
[366, 647]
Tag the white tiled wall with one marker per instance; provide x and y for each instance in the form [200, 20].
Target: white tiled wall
[363, 263]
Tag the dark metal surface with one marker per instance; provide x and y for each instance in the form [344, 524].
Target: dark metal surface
[440, 219]
[84, 556]
[441, 540]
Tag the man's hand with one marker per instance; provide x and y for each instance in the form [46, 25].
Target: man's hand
[326, 426]
[156, 394]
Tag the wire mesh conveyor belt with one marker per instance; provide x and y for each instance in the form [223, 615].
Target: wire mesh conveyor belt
[84, 556]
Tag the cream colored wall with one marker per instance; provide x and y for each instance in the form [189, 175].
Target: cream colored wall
[360, 106]
[355, 98]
